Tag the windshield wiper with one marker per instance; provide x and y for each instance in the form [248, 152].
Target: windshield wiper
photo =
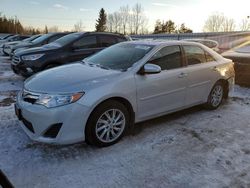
[101, 66]
[96, 65]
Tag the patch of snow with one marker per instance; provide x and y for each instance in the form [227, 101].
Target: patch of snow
[190, 148]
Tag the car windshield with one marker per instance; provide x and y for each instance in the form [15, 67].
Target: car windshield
[41, 38]
[67, 39]
[30, 38]
[6, 37]
[120, 56]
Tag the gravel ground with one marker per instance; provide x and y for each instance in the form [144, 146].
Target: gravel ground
[191, 148]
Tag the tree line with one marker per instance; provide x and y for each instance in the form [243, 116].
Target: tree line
[170, 27]
[10, 25]
[13, 25]
[129, 20]
[218, 22]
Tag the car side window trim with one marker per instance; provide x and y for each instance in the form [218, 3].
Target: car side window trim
[186, 59]
[181, 57]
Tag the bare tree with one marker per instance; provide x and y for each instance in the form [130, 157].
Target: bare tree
[110, 23]
[228, 25]
[245, 25]
[137, 9]
[124, 14]
[214, 23]
[131, 23]
[117, 22]
[218, 22]
[144, 25]
[128, 21]
[78, 27]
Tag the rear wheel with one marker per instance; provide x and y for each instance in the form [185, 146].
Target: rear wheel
[215, 97]
[107, 124]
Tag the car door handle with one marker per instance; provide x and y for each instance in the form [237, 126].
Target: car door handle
[182, 75]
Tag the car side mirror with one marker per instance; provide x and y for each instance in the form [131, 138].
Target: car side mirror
[150, 69]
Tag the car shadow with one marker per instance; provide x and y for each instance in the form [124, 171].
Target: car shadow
[138, 128]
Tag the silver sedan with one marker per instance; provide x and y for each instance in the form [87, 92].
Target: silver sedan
[98, 99]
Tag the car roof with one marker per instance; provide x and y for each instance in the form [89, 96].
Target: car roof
[162, 42]
[105, 33]
[198, 39]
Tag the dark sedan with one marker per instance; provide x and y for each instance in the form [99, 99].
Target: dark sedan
[241, 57]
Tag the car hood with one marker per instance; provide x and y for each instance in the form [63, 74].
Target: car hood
[12, 43]
[235, 54]
[23, 45]
[37, 49]
[71, 78]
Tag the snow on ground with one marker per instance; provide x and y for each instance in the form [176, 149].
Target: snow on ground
[192, 148]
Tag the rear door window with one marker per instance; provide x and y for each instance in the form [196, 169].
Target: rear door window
[106, 41]
[194, 55]
[121, 39]
[52, 39]
[86, 42]
[167, 58]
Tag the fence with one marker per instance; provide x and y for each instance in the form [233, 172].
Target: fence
[226, 40]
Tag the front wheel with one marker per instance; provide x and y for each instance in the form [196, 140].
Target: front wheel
[215, 97]
[107, 124]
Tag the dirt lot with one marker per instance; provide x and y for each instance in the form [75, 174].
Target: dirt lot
[192, 148]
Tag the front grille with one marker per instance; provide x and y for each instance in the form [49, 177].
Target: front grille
[16, 60]
[30, 97]
[53, 131]
[28, 125]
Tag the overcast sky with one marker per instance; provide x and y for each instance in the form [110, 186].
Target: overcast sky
[65, 13]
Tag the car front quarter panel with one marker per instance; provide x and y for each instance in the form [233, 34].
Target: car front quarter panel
[124, 88]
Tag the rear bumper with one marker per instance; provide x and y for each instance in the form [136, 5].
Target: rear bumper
[242, 73]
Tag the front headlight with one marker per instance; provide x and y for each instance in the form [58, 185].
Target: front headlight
[32, 57]
[51, 101]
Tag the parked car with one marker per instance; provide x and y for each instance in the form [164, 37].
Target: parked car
[13, 38]
[40, 41]
[98, 99]
[7, 46]
[241, 57]
[5, 36]
[70, 48]
[207, 42]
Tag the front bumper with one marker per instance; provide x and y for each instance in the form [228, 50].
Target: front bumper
[19, 67]
[72, 118]
[7, 50]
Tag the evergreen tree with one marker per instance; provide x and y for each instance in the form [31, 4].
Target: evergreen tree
[168, 27]
[101, 22]
[46, 29]
[158, 27]
[184, 29]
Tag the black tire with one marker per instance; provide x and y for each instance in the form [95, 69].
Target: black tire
[211, 104]
[91, 134]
